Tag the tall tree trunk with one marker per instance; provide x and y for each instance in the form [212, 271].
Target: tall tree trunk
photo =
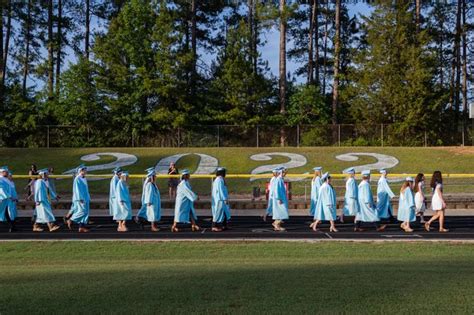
[337, 51]
[58, 43]
[464, 59]
[417, 15]
[193, 46]
[26, 63]
[325, 48]
[87, 35]
[2, 7]
[7, 42]
[255, 37]
[310, 78]
[316, 41]
[50, 51]
[457, 46]
[282, 81]
[441, 39]
[250, 27]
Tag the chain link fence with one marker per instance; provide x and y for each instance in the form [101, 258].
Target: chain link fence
[255, 136]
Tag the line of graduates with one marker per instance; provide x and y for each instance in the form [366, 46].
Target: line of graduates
[358, 201]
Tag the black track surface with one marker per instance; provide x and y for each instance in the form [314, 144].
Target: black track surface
[248, 228]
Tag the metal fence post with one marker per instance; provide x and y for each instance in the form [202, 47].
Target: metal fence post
[218, 135]
[339, 134]
[381, 134]
[462, 133]
[258, 143]
[298, 136]
[47, 137]
[426, 140]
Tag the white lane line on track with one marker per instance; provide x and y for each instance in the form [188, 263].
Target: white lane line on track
[401, 235]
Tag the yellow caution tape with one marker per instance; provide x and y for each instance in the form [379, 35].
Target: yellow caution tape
[262, 176]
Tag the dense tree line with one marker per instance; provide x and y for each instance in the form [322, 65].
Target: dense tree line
[120, 70]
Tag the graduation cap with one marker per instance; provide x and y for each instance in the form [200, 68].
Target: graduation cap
[365, 173]
[124, 173]
[383, 171]
[220, 169]
[43, 171]
[150, 173]
[276, 169]
[317, 168]
[81, 167]
[185, 172]
[117, 170]
[409, 179]
[3, 168]
[325, 176]
[350, 171]
[150, 169]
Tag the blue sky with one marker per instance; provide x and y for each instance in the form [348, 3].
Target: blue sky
[270, 50]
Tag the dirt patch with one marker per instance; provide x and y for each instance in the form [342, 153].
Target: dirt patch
[460, 150]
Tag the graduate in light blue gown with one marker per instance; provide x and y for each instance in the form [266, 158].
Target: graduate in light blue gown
[80, 201]
[326, 205]
[141, 217]
[151, 201]
[270, 190]
[367, 209]
[184, 211]
[384, 197]
[43, 196]
[124, 203]
[112, 187]
[316, 183]
[220, 202]
[351, 201]
[279, 201]
[5, 195]
[12, 210]
[406, 205]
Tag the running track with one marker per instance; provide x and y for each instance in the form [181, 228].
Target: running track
[243, 228]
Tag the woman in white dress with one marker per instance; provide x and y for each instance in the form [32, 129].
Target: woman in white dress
[420, 199]
[437, 202]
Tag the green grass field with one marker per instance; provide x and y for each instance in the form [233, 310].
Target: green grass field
[412, 160]
[220, 277]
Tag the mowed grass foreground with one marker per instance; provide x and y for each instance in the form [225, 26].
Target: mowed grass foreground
[220, 277]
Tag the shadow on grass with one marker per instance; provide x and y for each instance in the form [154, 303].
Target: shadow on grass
[149, 287]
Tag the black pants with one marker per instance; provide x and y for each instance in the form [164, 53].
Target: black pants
[375, 224]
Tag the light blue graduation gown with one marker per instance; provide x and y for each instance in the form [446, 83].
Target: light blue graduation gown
[12, 211]
[43, 195]
[142, 211]
[4, 197]
[351, 202]
[80, 191]
[406, 206]
[271, 189]
[367, 210]
[220, 210]
[150, 195]
[326, 205]
[384, 196]
[315, 186]
[280, 210]
[184, 206]
[124, 202]
[112, 198]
